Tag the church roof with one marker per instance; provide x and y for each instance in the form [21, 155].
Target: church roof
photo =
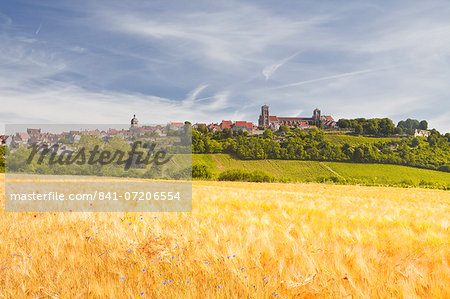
[294, 118]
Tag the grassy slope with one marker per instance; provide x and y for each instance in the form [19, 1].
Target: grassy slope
[354, 140]
[312, 170]
[381, 173]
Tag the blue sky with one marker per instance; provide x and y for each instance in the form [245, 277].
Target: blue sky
[103, 61]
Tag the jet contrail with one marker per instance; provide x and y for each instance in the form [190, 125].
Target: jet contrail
[193, 94]
[39, 29]
[343, 75]
[269, 70]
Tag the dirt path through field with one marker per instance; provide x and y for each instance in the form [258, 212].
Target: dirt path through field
[219, 164]
[331, 170]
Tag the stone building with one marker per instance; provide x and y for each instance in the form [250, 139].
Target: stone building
[421, 133]
[271, 121]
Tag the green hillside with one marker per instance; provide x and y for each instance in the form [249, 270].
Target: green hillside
[389, 174]
[354, 140]
[350, 173]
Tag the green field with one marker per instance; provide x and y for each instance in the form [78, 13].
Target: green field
[354, 140]
[308, 171]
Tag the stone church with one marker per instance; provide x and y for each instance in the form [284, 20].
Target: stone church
[271, 121]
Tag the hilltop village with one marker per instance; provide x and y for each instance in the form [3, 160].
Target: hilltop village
[266, 121]
[275, 137]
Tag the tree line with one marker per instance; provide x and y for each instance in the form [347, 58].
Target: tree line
[295, 144]
[382, 126]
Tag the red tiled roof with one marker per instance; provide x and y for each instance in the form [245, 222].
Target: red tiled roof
[226, 124]
[273, 118]
[328, 117]
[34, 131]
[295, 118]
[23, 135]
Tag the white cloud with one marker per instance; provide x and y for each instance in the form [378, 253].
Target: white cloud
[232, 36]
[61, 103]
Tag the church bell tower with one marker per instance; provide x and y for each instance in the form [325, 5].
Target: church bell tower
[134, 121]
[264, 117]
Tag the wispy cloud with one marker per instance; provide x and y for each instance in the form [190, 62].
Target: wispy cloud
[231, 35]
[337, 76]
[269, 70]
[192, 96]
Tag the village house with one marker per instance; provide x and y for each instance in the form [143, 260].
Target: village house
[421, 133]
[176, 126]
[244, 126]
[226, 124]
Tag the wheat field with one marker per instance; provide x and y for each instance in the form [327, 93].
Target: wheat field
[242, 240]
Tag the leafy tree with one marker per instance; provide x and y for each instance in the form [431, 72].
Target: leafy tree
[117, 144]
[370, 128]
[423, 125]
[201, 171]
[187, 134]
[227, 133]
[17, 160]
[358, 154]
[284, 129]
[268, 134]
[432, 140]
[202, 129]
[243, 175]
[344, 123]
[409, 125]
[386, 127]
[359, 130]
[88, 142]
[212, 146]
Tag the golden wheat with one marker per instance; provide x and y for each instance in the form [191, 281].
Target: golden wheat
[241, 240]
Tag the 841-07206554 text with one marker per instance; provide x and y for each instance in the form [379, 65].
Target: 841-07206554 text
[98, 195]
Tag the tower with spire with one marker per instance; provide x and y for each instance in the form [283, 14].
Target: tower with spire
[134, 121]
